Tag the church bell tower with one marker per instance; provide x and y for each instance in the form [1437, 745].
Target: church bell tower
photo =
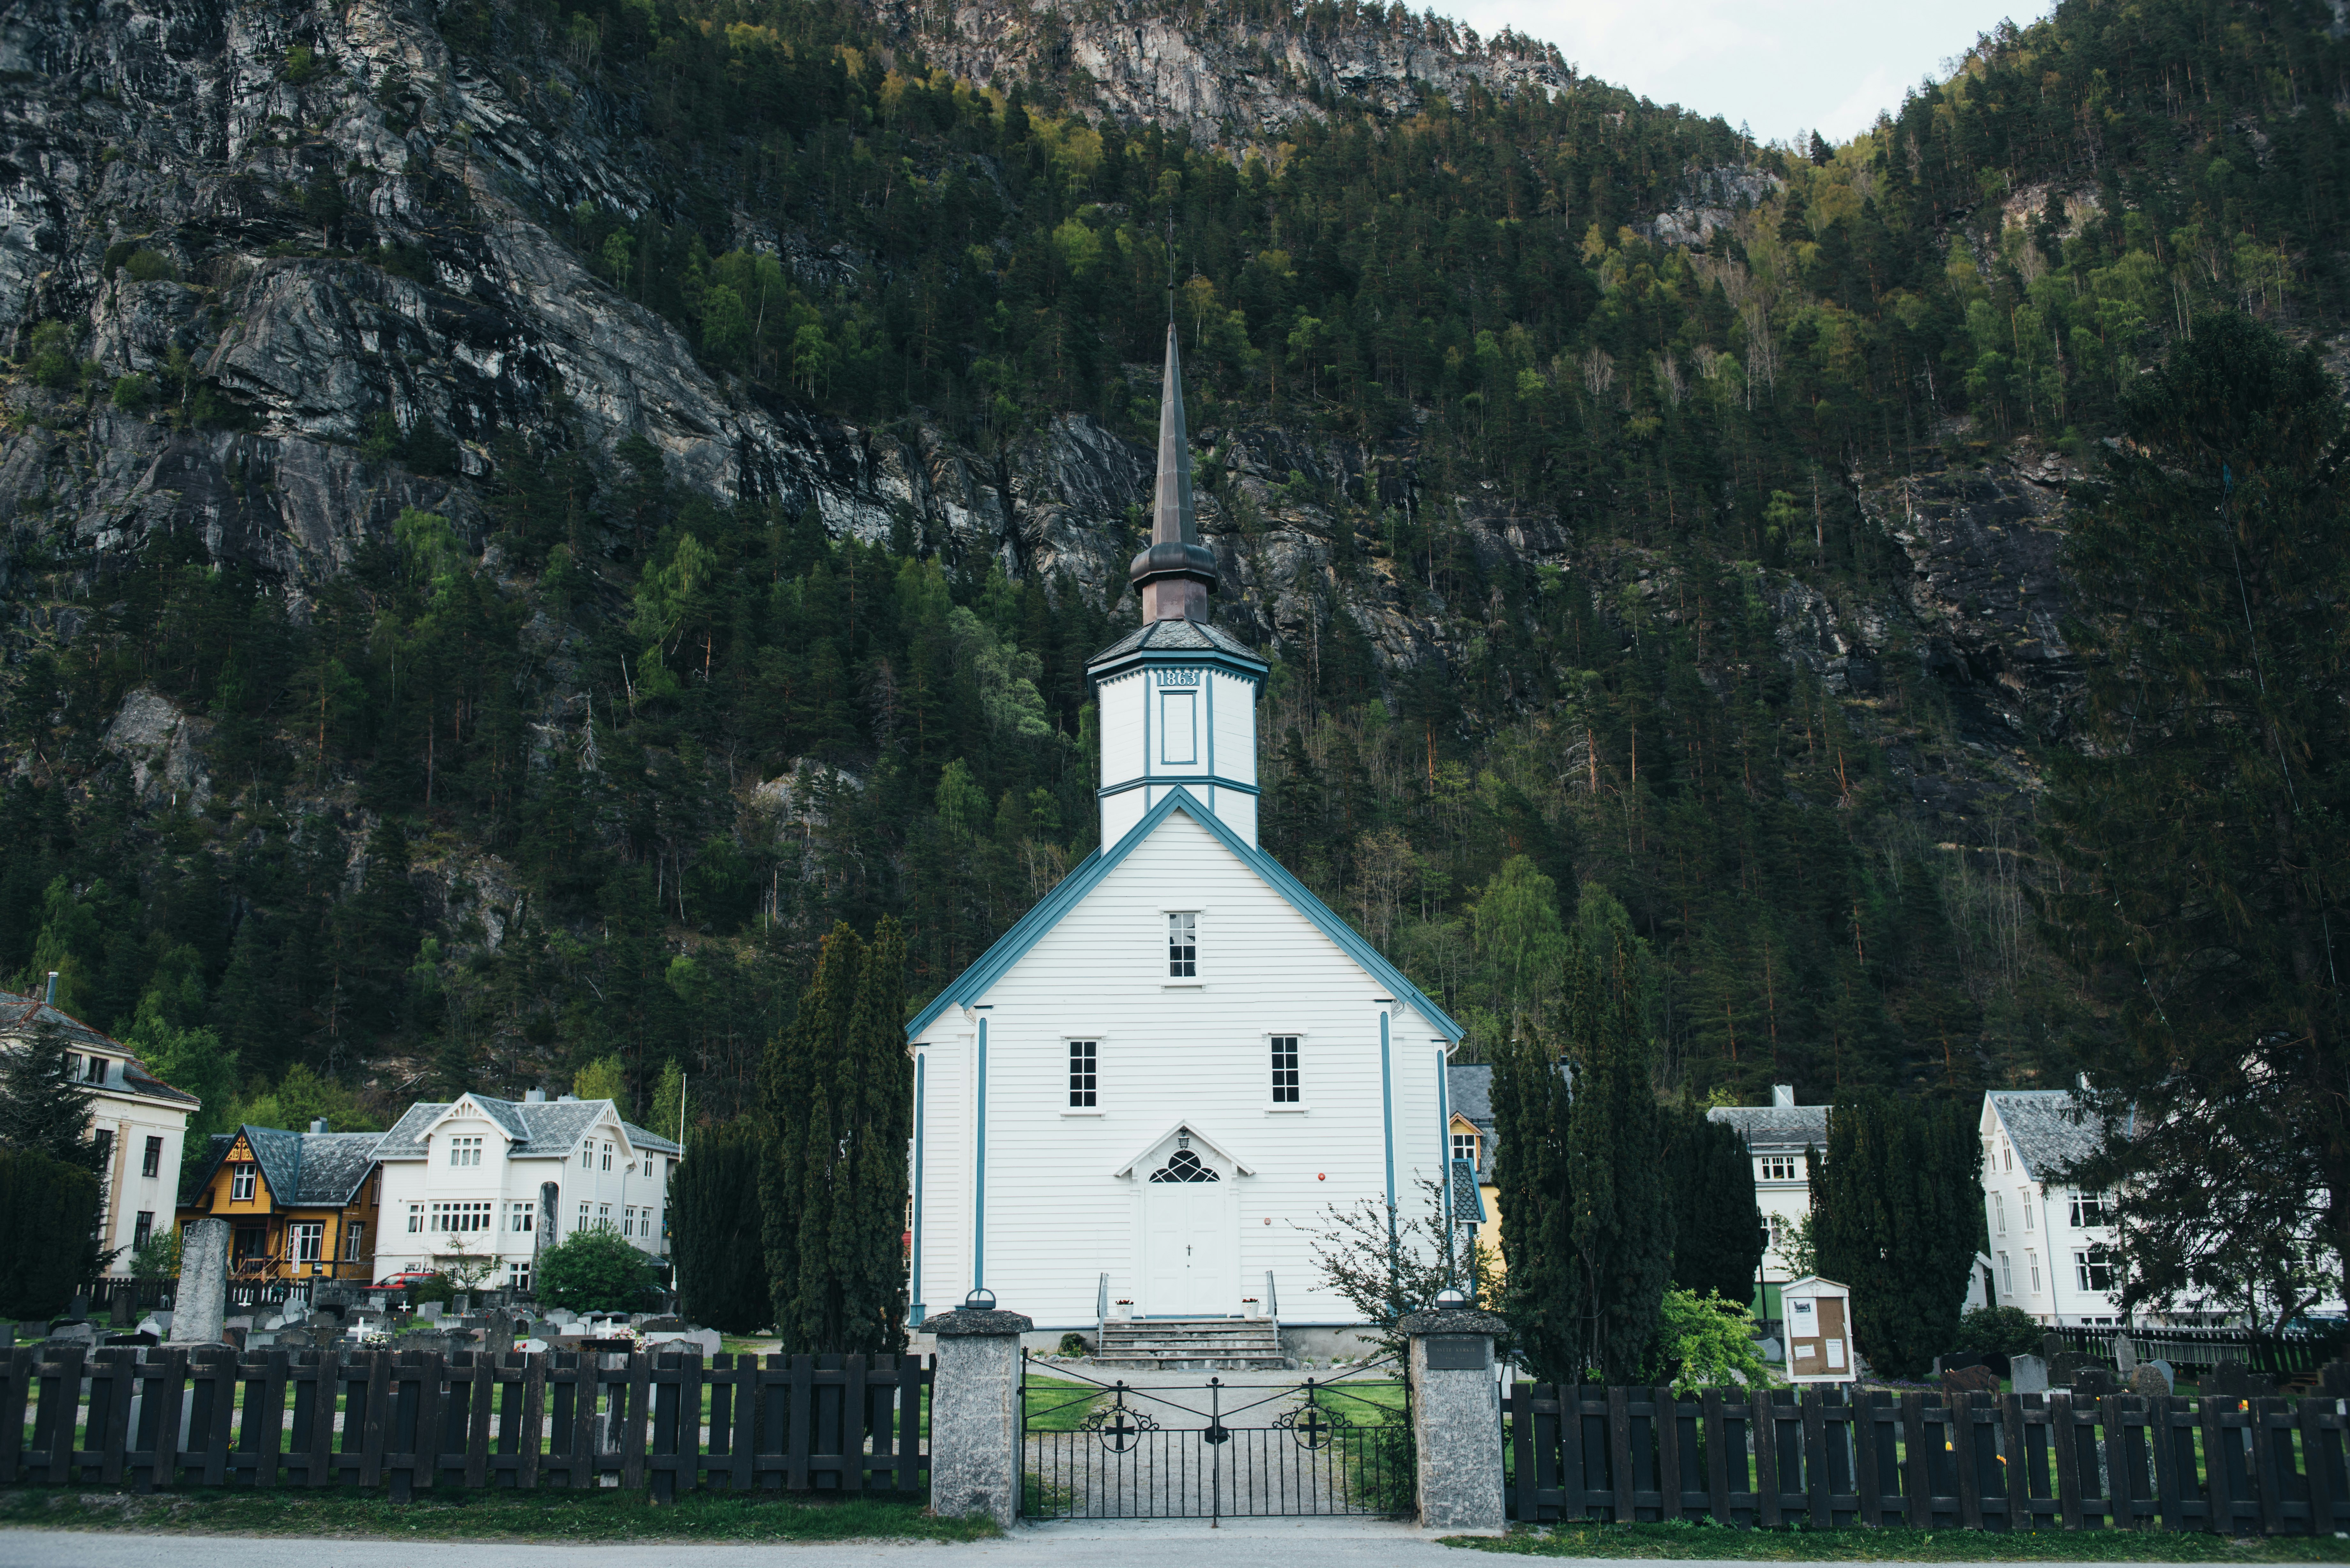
[1177, 697]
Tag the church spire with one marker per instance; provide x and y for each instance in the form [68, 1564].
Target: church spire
[1177, 573]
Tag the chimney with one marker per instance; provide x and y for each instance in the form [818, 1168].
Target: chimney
[318, 1124]
[566, 1099]
[1783, 1093]
[52, 997]
[534, 1096]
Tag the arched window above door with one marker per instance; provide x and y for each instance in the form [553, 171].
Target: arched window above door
[1184, 1166]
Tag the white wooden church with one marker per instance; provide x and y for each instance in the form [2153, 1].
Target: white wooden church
[1152, 1090]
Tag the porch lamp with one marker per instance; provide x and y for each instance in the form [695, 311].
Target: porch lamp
[979, 1299]
[1451, 1298]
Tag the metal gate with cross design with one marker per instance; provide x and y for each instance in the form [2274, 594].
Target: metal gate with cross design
[1096, 1449]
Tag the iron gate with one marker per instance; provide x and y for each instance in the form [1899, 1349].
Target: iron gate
[1096, 1449]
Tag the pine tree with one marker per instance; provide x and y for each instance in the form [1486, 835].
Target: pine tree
[42, 1108]
[1717, 1228]
[1897, 1217]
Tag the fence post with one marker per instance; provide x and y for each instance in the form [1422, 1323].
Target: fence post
[204, 1282]
[1456, 1420]
[975, 1439]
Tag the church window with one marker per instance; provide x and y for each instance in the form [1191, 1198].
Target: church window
[1184, 1166]
[1182, 945]
[1285, 1069]
[1083, 1057]
[1179, 730]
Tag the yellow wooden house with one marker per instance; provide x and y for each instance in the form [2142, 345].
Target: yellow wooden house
[299, 1206]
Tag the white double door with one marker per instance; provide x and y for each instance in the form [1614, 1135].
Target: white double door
[1190, 1247]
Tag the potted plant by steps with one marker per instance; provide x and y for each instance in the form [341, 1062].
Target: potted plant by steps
[1251, 1308]
[1123, 1309]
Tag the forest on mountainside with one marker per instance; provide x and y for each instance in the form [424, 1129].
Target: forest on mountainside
[407, 877]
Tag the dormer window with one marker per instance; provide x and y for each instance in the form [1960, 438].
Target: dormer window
[1183, 945]
[465, 1150]
[1778, 1168]
[240, 1182]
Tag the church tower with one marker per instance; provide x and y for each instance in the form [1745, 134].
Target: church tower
[1177, 697]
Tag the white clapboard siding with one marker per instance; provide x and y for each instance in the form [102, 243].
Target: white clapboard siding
[1234, 700]
[1057, 1215]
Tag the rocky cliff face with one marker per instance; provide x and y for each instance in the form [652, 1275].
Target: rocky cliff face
[310, 241]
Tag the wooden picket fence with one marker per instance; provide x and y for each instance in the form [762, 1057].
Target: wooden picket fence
[415, 1420]
[1974, 1461]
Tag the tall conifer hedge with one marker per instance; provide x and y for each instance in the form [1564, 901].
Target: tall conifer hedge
[48, 1211]
[1717, 1228]
[1897, 1202]
[720, 1229]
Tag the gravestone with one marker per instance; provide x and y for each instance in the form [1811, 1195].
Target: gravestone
[2093, 1383]
[158, 1324]
[2229, 1380]
[123, 1309]
[430, 1312]
[2124, 1356]
[2028, 1374]
[2334, 1379]
[201, 1304]
[2151, 1379]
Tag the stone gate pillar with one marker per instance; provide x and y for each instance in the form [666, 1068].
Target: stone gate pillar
[1456, 1420]
[201, 1301]
[976, 1458]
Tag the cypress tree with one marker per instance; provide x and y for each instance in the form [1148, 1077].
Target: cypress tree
[799, 1128]
[878, 1120]
[1623, 1227]
[719, 1222]
[1898, 1213]
[1530, 1116]
[1717, 1228]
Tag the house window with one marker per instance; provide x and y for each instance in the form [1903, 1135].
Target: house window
[354, 1240]
[415, 1217]
[587, 1157]
[608, 1157]
[464, 1151]
[304, 1241]
[603, 1216]
[583, 1216]
[96, 1071]
[1182, 947]
[2094, 1266]
[460, 1218]
[143, 1230]
[518, 1273]
[2032, 1261]
[240, 1182]
[1778, 1168]
[1084, 1058]
[1464, 1146]
[2090, 1209]
[2006, 1154]
[518, 1217]
[2006, 1274]
[1285, 1069]
[152, 1162]
[2024, 1201]
[104, 1138]
[1999, 1213]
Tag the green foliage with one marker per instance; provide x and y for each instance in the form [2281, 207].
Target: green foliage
[134, 394]
[717, 1230]
[2202, 831]
[299, 66]
[595, 1271]
[836, 1092]
[49, 1213]
[2000, 1331]
[158, 1258]
[43, 1108]
[667, 1114]
[300, 1095]
[1708, 1340]
[1898, 1206]
[1073, 1344]
[53, 362]
[436, 1287]
[1717, 1227]
[606, 1078]
[147, 265]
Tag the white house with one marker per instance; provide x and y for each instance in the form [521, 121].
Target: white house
[1776, 1136]
[1155, 1086]
[140, 1121]
[501, 1179]
[2051, 1244]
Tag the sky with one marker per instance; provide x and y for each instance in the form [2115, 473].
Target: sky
[1785, 67]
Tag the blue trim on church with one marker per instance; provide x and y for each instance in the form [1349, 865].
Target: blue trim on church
[1030, 929]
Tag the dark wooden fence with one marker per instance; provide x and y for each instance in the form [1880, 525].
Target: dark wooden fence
[1976, 1461]
[2194, 1351]
[156, 1418]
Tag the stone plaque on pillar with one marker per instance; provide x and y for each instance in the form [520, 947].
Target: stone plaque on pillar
[202, 1299]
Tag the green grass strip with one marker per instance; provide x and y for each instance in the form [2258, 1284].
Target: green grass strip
[605, 1514]
[1692, 1542]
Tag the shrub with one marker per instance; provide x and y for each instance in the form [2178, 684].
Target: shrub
[146, 265]
[1711, 1338]
[301, 64]
[1073, 1344]
[436, 1287]
[595, 1271]
[134, 394]
[48, 1212]
[53, 363]
[158, 1258]
[2000, 1331]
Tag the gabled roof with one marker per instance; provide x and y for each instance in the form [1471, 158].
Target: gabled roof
[1470, 1091]
[307, 1171]
[536, 1127]
[1030, 929]
[1177, 636]
[21, 1015]
[2051, 1129]
[1775, 1130]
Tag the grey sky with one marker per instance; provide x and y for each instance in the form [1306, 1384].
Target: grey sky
[1784, 66]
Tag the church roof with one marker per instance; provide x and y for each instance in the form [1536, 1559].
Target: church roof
[1013, 945]
[1177, 636]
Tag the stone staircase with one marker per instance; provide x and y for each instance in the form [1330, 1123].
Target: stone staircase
[1190, 1343]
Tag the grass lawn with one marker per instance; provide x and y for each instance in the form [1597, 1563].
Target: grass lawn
[604, 1514]
[1058, 1405]
[1702, 1541]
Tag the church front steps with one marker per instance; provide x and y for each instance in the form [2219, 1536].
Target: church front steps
[1192, 1343]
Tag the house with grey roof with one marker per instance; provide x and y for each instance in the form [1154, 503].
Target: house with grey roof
[300, 1207]
[2051, 1242]
[141, 1120]
[1778, 1137]
[481, 1186]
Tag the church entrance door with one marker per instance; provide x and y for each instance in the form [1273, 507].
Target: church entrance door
[1190, 1239]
